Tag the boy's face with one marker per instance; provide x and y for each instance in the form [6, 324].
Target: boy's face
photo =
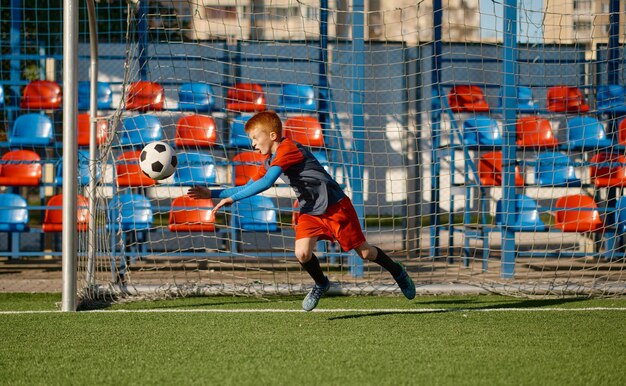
[262, 141]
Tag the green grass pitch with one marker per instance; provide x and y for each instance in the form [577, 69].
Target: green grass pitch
[435, 340]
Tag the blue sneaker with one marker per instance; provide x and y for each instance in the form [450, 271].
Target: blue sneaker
[406, 284]
[314, 295]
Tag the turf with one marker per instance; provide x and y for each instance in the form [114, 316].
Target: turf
[465, 341]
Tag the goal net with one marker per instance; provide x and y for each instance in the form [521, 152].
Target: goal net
[483, 159]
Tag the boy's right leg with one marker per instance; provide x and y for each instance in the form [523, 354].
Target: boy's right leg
[308, 260]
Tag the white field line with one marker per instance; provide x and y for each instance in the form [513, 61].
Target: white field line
[322, 310]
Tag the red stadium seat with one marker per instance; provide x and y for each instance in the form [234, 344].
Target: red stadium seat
[84, 127]
[20, 168]
[577, 213]
[467, 98]
[195, 130]
[305, 130]
[247, 164]
[490, 170]
[128, 172]
[191, 215]
[533, 131]
[246, 97]
[566, 99]
[608, 170]
[42, 95]
[53, 218]
[145, 96]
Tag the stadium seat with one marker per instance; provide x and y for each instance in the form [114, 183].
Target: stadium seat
[490, 170]
[196, 96]
[297, 98]
[130, 211]
[566, 99]
[13, 213]
[481, 131]
[256, 214]
[42, 95]
[535, 132]
[191, 215]
[53, 217]
[84, 123]
[246, 97]
[611, 98]
[140, 130]
[145, 96]
[555, 169]
[237, 137]
[306, 130]
[527, 218]
[577, 213]
[246, 164]
[467, 98]
[31, 129]
[20, 168]
[105, 96]
[128, 172]
[525, 103]
[608, 170]
[195, 168]
[587, 133]
[1, 97]
[83, 169]
[195, 131]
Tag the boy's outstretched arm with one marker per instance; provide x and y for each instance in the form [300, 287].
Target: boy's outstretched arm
[231, 195]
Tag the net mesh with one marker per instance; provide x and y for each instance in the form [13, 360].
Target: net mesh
[448, 183]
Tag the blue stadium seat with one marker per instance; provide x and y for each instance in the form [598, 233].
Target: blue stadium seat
[1, 97]
[32, 129]
[481, 131]
[195, 168]
[255, 214]
[555, 169]
[527, 219]
[140, 130]
[297, 98]
[13, 213]
[196, 96]
[525, 100]
[238, 137]
[83, 169]
[587, 133]
[105, 95]
[13, 219]
[130, 212]
[611, 98]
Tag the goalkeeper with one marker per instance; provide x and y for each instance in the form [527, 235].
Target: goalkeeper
[325, 210]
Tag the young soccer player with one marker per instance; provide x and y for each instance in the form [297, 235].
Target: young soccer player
[325, 210]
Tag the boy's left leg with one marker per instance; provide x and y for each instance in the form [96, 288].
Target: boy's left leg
[400, 275]
[310, 263]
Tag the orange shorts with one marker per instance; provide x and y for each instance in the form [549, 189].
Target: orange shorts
[340, 222]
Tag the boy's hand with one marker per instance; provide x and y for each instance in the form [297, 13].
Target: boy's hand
[225, 202]
[199, 192]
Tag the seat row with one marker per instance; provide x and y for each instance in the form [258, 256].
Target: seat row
[557, 169]
[559, 99]
[195, 130]
[132, 212]
[150, 96]
[583, 132]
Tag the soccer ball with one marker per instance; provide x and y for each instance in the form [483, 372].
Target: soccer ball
[158, 160]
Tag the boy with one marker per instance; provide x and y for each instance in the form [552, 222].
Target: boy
[325, 210]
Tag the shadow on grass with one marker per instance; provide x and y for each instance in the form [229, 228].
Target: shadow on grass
[521, 304]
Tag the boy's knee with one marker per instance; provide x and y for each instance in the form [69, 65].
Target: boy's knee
[303, 256]
[366, 252]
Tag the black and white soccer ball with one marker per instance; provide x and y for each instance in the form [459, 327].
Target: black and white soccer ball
[158, 160]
